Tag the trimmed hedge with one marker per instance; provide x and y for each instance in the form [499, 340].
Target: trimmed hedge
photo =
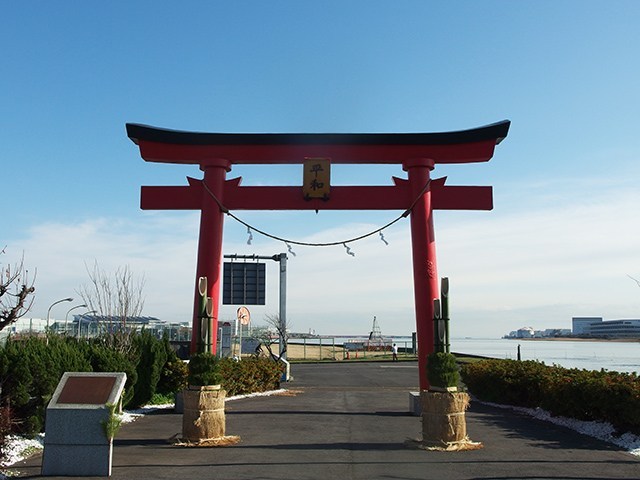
[29, 373]
[250, 375]
[152, 356]
[582, 394]
[31, 368]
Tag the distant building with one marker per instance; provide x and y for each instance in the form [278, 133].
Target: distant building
[525, 332]
[628, 328]
[529, 332]
[582, 325]
[92, 325]
[599, 328]
[556, 332]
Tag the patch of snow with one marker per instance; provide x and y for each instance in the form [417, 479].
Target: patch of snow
[18, 448]
[258, 394]
[600, 430]
[129, 416]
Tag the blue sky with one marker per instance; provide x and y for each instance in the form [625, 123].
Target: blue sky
[560, 242]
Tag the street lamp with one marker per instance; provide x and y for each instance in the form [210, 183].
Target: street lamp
[80, 321]
[66, 317]
[55, 303]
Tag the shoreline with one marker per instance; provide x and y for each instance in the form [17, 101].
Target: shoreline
[576, 339]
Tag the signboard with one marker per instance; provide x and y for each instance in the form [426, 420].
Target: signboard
[90, 389]
[316, 178]
[243, 283]
[244, 316]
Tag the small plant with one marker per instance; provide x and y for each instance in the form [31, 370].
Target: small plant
[204, 369]
[442, 370]
[112, 424]
[161, 399]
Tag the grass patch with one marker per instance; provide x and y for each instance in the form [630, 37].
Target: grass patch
[161, 399]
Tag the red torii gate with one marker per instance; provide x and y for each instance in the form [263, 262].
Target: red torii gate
[418, 153]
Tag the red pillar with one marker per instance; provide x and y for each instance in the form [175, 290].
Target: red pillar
[423, 246]
[210, 246]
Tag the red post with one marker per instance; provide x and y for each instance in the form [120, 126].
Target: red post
[425, 272]
[210, 246]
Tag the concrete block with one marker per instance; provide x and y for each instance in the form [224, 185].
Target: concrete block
[415, 404]
[179, 405]
[76, 426]
[77, 460]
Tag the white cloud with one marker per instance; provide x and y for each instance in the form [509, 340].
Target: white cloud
[537, 267]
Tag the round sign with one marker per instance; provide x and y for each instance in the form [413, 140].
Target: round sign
[244, 316]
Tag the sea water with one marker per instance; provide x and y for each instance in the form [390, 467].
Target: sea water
[590, 355]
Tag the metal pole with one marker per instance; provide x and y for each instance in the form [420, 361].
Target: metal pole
[66, 317]
[283, 305]
[52, 305]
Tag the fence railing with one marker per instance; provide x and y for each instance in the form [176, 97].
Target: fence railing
[326, 348]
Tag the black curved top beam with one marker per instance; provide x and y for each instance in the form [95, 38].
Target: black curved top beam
[496, 131]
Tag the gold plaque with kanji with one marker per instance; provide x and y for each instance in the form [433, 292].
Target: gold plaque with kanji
[316, 178]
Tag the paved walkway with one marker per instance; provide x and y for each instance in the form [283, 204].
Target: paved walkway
[351, 421]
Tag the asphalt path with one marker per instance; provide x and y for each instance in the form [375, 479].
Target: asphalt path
[351, 421]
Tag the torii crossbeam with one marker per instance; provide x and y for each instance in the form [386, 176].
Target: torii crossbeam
[418, 153]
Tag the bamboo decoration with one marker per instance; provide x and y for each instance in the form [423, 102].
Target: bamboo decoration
[443, 405]
[204, 334]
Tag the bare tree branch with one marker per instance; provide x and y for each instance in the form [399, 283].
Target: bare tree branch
[16, 292]
[115, 299]
[634, 279]
[269, 336]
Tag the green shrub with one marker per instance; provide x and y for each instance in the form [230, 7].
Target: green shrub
[174, 377]
[151, 355]
[582, 394]
[250, 375]
[506, 381]
[442, 370]
[31, 369]
[161, 399]
[175, 372]
[104, 358]
[204, 369]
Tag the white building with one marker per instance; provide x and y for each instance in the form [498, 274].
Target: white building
[582, 325]
[597, 327]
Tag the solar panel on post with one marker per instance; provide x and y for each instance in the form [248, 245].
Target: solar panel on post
[243, 283]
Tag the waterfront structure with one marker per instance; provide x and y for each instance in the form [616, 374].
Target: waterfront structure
[529, 332]
[582, 325]
[599, 328]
